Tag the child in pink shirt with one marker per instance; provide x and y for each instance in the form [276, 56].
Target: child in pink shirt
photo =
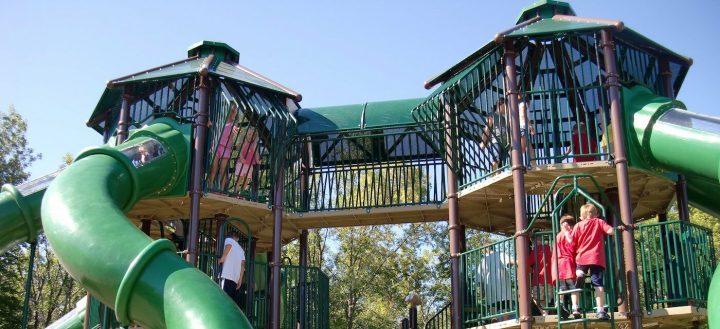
[588, 237]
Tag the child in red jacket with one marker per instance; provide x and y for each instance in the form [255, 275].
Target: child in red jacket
[564, 260]
[588, 236]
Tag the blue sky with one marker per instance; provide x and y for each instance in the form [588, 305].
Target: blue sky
[57, 55]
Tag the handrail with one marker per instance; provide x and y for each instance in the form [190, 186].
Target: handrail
[441, 319]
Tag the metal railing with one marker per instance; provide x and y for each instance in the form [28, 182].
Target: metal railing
[441, 319]
[308, 284]
[678, 260]
[488, 283]
[247, 141]
[366, 169]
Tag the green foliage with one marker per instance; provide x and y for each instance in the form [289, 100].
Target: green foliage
[10, 290]
[54, 292]
[15, 154]
[15, 157]
[699, 217]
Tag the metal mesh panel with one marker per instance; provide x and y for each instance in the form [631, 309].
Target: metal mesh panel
[247, 141]
[677, 260]
[314, 290]
[175, 98]
[562, 88]
[488, 283]
[636, 65]
[563, 110]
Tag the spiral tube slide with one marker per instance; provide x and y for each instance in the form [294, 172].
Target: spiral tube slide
[146, 282]
[19, 216]
[662, 136]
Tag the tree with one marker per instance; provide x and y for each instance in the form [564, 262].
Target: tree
[701, 218]
[15, 157]
[15, 154]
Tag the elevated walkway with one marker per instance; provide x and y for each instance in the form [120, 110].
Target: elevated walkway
[487, 205]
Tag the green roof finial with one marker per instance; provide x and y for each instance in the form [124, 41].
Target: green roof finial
[545, 9]
[221, 50]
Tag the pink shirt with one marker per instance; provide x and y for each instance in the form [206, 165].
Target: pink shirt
[224, 148]
[565, 258]
[588, 236]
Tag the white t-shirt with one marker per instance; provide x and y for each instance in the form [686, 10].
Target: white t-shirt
[231, 266]
[494, 275]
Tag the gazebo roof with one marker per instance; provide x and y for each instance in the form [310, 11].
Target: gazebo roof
[551, 18]
[222, 64]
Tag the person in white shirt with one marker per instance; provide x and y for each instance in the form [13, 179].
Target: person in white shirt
[496, 281]
[233, 261]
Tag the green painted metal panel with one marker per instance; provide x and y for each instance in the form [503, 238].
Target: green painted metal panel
[714, 301]
[239, 73]
[221, 50]
[188, 67]
[545, 8]
[109, 99]
[357, 116]
[553, 26]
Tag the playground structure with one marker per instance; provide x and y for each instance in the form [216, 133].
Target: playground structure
[196, 148]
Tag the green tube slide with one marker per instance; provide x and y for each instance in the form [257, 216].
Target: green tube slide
[19, 216]
[663, 137]
[143, 280]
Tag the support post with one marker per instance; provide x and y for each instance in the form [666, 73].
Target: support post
[277, 210]
[220, 235]
[145, 226]
[303, 278]
[88, 309]
[453, 221]
[305, 175]
[250, 275]
[28, 284]
[413, 317]
[106, 128]
[198, 163]
[518, 171]
[681, 184]
[621, 170]
[463, 238]
[124, 120]
[615, 221]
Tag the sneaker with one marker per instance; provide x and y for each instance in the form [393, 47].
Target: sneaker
[602, 315]
[576, 313]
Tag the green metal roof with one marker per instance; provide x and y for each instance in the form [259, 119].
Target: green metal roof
[545, 9]
[221, 50]
[370, 115]
[217, 68]
[224, 65]
[551, 26]
[189, 66]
